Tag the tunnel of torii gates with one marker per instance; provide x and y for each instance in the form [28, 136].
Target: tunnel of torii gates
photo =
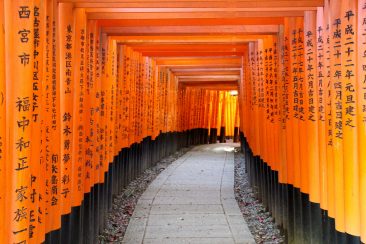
[93, 92]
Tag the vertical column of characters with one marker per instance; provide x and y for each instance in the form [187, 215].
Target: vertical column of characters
[145, 91]
[78, 109]
[288, 98]
[256, 82]
[176, 104]
[271, 132]
[361, 110]
[119, 97]
[261, 131]
[36, 211]
[126, 96]
[349, 112]
[93, 32]
[66, 37]
[337, 113]
[152, 68]
[302, 138]
[156, 106]
[165, 98]
[141, 97]
[267, 137]
[283, 104]
[252, 100]
[159, 88]
[253, 86]
[328, 109]
[99, 137]
[104, 100]
[3, 228]
[311, 119]
[272, 104]
[46, 113]
[137, 109]
[248, 94]
[162, 88]
[166, 106]
[143, 84]
[103, 106]
[262, 99]
[87, 152]
[123, 73]
[112, 59]
[269, 102]
[320, 91]
[171, 101]
[18, 30]
[55, 145]
[132, 99]
[275, 103]
[294, 59]
[149, 96]
[134, 90]
[93, 110]
[181, 108]
[168, 100]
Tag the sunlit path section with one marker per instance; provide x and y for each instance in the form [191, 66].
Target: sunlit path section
[192, 201]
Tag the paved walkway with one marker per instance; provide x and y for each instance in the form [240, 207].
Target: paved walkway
[192, 201]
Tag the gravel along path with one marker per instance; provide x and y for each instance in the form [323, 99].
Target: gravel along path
[124, 204]
[260, 222]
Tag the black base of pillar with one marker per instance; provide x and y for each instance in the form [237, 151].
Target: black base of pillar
[222, 138]
[302, 221]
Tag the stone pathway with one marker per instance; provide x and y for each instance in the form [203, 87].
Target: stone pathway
[192, 201]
